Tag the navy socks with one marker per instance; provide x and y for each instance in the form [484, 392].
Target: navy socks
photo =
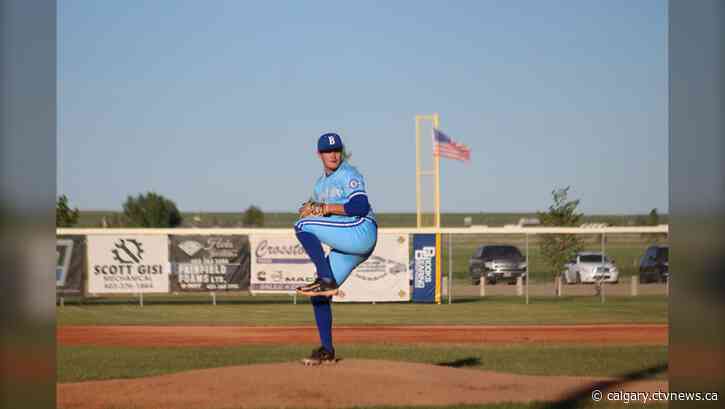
[323, 318]
[320, 305]
[313, 247]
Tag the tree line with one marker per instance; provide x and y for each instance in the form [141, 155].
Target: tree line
[145, 210]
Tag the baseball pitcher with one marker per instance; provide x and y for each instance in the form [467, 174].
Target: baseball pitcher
[339, 215]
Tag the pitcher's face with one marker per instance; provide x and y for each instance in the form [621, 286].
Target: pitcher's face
[330, 160]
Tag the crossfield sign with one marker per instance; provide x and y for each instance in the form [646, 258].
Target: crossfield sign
[279, 264]
[128, 264]
[427, 268]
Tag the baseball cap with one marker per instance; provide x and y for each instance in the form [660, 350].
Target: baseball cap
[329, 142]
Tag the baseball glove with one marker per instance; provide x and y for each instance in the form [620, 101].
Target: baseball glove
[310, 208]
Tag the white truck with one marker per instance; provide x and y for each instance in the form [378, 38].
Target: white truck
[590, 267]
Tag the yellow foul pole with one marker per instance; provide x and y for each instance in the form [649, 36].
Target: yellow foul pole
[437, 160]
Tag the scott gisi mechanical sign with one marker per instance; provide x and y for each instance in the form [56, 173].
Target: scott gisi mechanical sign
[128, 264]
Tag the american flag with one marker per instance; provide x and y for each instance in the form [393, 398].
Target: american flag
[448, 148]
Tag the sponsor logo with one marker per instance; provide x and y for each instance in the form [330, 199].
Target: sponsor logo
[267, 253]
[128, 251]
[129, 254]
[354, 184]
[216, 248]
[376, 268]
[424, 266]
[190, 247]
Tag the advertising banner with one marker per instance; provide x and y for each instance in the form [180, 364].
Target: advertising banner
[70, 251]
[426, 268]
[279, 264]
[209, 262]
[382, 277]
[128, 264]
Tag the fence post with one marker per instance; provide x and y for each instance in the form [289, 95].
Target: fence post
[528, 263]
[483, 285]
[519, 286]
[560, 285]
[450, 268]
[635, 289]
[213, 297]
[140, 299]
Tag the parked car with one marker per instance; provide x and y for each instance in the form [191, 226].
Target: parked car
[497, 262]
[654, 265]
[590, 267]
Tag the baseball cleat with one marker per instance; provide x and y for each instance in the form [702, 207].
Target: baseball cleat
[320, 356]
[319, 288]
[309, 287]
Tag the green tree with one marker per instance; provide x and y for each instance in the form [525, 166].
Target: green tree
[253, 216]
[557, 249]
[151, 210]
[64, 215]
[654, 218]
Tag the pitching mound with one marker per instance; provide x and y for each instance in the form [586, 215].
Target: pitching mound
[347, 383]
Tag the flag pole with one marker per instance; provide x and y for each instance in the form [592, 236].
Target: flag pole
[437, 160]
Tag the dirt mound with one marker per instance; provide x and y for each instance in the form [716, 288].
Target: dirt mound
[347, 383]
[132, 335]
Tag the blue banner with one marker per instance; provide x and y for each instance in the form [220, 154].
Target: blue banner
[426, 268]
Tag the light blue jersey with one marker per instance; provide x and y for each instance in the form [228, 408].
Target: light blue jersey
[352, 238]
[340, 186]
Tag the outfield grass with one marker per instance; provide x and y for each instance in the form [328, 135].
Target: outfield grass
[279, 310]
[87, 363]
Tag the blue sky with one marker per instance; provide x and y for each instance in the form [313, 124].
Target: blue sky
[217, 105]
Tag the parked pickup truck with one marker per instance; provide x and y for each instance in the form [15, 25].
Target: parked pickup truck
[590, 267]
[497, 262]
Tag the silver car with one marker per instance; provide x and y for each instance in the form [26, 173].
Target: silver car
[590, 267]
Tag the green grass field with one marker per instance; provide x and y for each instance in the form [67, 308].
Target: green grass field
[77, 364]
[279, 310]
[86, 363]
